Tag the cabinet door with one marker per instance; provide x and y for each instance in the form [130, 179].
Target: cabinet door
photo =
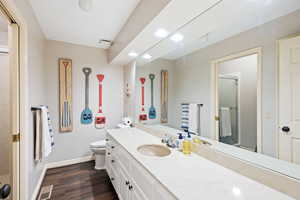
[124, 185]
[142, 178]
[135, 192]
[115, 180]
[108, 161]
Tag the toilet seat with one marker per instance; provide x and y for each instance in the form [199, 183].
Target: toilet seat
[98, 144]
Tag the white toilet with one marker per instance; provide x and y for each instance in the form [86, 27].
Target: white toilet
[98, 148]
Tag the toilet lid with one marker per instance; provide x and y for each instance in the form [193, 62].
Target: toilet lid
[98, 144]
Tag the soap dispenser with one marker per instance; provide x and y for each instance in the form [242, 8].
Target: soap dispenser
[179, 142]
[187, 145]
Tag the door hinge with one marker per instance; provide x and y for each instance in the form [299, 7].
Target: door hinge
[217, 118]
[16, 137]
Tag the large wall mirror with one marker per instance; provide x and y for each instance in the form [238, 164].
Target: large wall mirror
[231, 77]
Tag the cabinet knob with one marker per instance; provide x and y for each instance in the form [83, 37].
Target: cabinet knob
[108, 153]
[112, 179]
[112, 147]
[127, 182]
[286, 129]
[112, 161]
[130, 187]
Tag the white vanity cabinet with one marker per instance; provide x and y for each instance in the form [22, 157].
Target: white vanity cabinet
[129, 178]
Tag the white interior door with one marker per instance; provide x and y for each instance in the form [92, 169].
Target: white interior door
[15, 117]
[289, 100]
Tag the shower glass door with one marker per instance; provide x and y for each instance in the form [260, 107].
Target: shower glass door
[228, 109]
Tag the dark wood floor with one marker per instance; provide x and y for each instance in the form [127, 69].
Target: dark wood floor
[79, 182]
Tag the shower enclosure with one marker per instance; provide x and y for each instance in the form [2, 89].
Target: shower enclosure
[229, 109]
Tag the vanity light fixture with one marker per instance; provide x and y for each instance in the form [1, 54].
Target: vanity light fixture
[147, 56]
[161, 33]
[85, 5]
[177, 37]
[133, 54]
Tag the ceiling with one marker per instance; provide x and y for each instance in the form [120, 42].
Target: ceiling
[63, 20]
[217, 24]
[173, 16]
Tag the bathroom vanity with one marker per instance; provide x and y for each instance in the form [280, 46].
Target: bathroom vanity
[129, 178]
[136, 176]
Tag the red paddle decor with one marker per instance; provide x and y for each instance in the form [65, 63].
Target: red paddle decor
[100, 118]
[143, 115]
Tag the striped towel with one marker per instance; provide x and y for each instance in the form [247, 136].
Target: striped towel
[44, 136]
[185, 116]
[48, 136]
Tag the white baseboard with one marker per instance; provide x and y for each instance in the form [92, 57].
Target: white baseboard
[69, 162]
[55, 165]
[38, 185]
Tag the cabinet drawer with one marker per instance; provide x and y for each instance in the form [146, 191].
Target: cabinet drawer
[114, 163]
[123, 158]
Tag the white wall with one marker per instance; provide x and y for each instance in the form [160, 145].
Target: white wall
[246, 67]
[155, 68]
[129, 90]
[193, 73]
[3, 38]
[5, 130]
[76, 144]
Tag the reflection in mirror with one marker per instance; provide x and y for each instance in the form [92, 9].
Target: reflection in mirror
[154, 85]
[232, 79]
[237, 97]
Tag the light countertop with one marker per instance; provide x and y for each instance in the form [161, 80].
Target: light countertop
[258, 159]
[193, 177]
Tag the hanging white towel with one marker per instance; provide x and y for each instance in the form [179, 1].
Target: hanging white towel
[194, 118]
[225, 122]
[38, 139]
[47, 132]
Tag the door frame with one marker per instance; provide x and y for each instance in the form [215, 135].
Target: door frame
[20, 106]
[214, 95]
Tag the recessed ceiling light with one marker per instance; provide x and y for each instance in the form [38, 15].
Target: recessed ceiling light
[177, 37]
[133, 54]
[147, 56]
[161, 33]
[236, 191]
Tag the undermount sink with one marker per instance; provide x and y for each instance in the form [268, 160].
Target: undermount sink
[154, 150]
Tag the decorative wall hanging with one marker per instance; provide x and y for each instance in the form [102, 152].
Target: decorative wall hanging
[87, 114]
[65, 95]
[100, 118]
[143, 115]
[164, 96]
[152, 111]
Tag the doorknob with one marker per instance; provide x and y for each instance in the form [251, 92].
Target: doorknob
[286, 129]
[5, 191]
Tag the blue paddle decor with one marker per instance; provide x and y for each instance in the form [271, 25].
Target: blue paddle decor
[87, 114]
[152, 111]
